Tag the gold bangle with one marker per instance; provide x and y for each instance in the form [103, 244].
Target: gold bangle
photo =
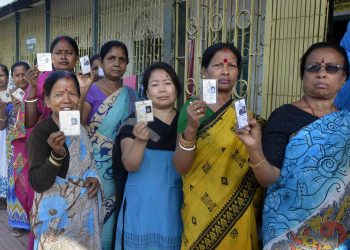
[54, 162]
[58, 158]
[257, 165]
[185, 143]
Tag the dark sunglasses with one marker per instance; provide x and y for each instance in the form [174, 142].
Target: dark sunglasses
[329, 68]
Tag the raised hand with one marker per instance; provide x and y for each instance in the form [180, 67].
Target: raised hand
[56, 141]
[141, 131]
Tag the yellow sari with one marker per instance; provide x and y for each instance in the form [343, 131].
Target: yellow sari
[221, 195]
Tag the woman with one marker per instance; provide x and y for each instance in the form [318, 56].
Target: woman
[20, 194]
[4, 123]
[95, 62]
[150, 217]
[67, 201]
[305, 150]
[221, 194]
[106, 105]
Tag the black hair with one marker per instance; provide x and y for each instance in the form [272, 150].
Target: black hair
[68, 39]
[323, 45]
[167, 68]
[57, 75]
[94, 57]
[18, 64]
[210, 52]
[5, 69]
[109, 45]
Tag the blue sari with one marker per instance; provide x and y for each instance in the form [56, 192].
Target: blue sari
[102, 131]
[308, 206]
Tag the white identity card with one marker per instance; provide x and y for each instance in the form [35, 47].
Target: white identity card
[101, 73]
[241, 113]
[5, 96]
[44, 62]
[144, 111]
[70, 122]
[85, 65]
[209, 90]
[18, 94]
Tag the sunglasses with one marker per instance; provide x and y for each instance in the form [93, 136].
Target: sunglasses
[329, 68]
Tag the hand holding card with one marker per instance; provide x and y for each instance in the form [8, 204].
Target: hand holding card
[70, 122]
[44, 61]
[5, 96]
[85, 65]
[144, 111]
[18, 94]
[241, 113]
[209, 90]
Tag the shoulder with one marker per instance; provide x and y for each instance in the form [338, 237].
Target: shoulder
[44, 128]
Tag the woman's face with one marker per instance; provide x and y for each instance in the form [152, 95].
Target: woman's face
[223, 67]
[94, 67]
[64, 56]
[320, 83]
[114, 63]
[64, 95]
[3, 80]
[18, 77]
[161, 89]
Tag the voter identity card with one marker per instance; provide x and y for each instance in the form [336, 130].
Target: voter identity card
[44, 62]
[144, 111]
[85, 65]
[18, 94]
[5, 96]
[70, 122]
[101, 73]
[209, 90]
[241, 113]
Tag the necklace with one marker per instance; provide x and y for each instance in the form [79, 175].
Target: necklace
[308, 105]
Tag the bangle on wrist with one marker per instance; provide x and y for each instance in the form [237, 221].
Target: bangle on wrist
[257, 165]
[187, 148]
[56, 158]
[3, 119]
[55, 163]
[31, 100]
[185, 143]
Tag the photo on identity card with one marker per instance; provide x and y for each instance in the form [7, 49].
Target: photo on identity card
[144, 111]
[85, 65]
[209, 90]
[241, 113]
[70, 122]
[44, 62]
[5, 96]
[18, 94]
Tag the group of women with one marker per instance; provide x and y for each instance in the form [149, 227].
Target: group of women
[190, 179]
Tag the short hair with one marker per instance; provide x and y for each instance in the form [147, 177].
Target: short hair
[323, 45]
[114, 43]
[95, 57]
[210, 52]
[5, 69]
[18, 64]
[68, 39]
[167, 68]
[58, 75]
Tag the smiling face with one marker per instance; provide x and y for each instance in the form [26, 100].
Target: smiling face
[322, 84]
[223, 67]
[63, 95]
[161, 89]
[18, 77]
[114, 64]
[64, 56]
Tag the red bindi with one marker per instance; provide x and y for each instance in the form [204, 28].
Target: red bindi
[225, 60]
[62, 39]
[322, 61]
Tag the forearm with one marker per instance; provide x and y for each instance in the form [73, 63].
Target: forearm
[133, 157]
[184, 157]
[31, 109]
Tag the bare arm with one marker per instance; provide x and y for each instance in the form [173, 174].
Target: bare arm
[265, 173]
[31, 109]
[85, 82]
[182, 158]
[133, 149]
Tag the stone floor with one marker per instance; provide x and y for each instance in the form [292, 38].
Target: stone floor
[7, 241]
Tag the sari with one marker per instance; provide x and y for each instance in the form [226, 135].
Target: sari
[102, 131]
[64, 217]
[221, 194]
[3, 165]
[308, 206]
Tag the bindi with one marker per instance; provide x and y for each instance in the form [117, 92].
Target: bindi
[225, 60]
[322, 61]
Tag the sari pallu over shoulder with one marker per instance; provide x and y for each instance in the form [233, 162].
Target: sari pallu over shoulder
[102, 131]
[221, 194]
[64, 217]
[308, 206]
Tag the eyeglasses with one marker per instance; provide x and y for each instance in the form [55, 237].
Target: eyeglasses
[329, 68]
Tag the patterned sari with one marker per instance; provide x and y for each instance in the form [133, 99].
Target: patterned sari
[308, 207]
[102, 131]
[221, 194]
[64, 217]
[3, 165]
